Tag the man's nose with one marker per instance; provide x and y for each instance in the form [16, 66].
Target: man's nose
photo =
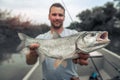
[57, 17]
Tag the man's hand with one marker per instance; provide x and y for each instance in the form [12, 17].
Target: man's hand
[32, 56]
[75, 78]
[33, 47]
[82, 60]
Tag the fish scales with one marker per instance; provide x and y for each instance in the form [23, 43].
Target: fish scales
[59, 47]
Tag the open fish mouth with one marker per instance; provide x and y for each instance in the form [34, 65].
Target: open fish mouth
[103, 37]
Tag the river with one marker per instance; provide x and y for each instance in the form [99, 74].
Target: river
[13, 67]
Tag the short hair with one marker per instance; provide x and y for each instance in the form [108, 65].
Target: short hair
[56, 5]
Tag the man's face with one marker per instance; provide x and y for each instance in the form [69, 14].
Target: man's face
[56, 17]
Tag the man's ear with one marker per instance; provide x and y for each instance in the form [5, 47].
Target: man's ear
[64, 16]
[48, 16]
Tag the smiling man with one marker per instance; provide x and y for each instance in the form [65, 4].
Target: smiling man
[57, 17]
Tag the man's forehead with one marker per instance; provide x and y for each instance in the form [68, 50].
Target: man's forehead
[56, 9]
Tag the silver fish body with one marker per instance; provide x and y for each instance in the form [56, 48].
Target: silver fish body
[68, 47]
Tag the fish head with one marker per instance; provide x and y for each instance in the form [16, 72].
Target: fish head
[93, 40]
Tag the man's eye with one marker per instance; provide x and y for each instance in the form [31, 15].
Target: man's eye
[54, 14]
[92, 34]
[60, 14]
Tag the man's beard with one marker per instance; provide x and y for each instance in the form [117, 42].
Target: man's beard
[56, 27]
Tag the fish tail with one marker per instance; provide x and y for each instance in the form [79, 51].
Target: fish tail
[23, 38]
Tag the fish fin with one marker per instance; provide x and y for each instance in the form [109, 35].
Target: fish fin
[56, 35]
[64, 64]
[57, 63]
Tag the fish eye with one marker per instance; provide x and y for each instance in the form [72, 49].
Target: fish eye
[92, 34]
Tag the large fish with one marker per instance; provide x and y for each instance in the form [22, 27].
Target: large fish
[62, 48]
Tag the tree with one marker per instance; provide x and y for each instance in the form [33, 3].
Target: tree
[109, 10]
[84, 15]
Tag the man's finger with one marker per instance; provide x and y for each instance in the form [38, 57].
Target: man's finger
[83, 56]
[74, 61]
[34, 46]
[75, 78]
[82, 62]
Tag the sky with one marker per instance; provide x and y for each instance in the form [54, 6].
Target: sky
[37, 10]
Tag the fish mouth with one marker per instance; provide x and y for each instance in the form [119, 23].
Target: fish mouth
[103, 37]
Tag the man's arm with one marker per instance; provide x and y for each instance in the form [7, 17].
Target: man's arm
[31, 57]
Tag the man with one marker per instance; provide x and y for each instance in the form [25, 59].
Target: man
[56, 17]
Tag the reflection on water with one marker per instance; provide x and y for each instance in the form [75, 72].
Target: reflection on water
[13, 67]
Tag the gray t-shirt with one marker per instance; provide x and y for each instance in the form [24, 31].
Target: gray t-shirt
[61, 73]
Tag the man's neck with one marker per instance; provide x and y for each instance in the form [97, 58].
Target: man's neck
[57, 30]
